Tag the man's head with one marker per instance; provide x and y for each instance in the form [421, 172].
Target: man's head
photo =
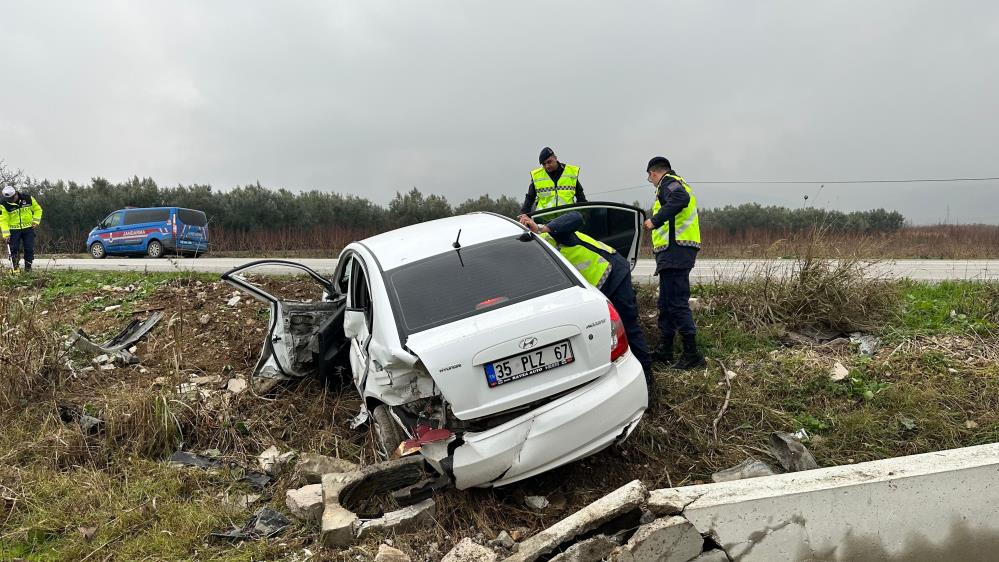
[9, 193]
[548, 159]
[657, 168]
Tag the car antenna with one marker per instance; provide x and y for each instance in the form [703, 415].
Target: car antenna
[457, 247]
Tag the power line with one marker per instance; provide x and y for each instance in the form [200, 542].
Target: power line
[787, 182]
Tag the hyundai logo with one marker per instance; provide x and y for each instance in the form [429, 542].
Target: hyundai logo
[528, 343]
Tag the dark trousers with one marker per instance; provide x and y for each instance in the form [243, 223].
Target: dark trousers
[674, 305]
[22, 237]
[623, 299]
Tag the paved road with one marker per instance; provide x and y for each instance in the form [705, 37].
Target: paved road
[706, 270]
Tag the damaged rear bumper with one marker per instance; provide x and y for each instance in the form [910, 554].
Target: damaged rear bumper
[574, 426]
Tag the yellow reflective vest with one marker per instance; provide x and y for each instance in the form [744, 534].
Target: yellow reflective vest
[594, 267]
[551, 194]
[688, 229]
[22, 213]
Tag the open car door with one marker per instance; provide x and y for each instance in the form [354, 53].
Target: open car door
[615, 224]
[303, 337]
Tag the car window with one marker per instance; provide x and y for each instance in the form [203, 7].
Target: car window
[342, 282]
[114, 219]
[191, 217]
[473, 280]
[142, 216]
[360, 295]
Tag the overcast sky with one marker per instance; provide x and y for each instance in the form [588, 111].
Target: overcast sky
[459, 97]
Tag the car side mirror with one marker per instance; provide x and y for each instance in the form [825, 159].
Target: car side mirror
[354, 319]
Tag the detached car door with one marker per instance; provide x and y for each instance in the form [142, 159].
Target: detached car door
[615, 224]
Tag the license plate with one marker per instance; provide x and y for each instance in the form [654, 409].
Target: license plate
[529, 363]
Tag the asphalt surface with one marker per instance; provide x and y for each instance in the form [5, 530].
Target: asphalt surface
[706, 270]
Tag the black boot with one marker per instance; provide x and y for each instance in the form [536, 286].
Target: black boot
[663, 353]
[691, 358]
[653, 388]
[27, 267]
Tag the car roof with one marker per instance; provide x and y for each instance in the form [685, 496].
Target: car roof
[412, 243]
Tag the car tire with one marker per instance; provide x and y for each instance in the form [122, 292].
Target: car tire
[154, 249]
[98, 251]
[387, 432]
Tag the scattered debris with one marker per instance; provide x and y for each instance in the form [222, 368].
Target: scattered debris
[468, 551]
[971, 424]
[204, 319]
[409, 518]
[536, 503]
[713, 555]
[670, 501]
[272, 460]
[802, 435]
[388, 554]
[790, 453]
[311, 467]
[87, 532]
[236, 385]
[749, 468]
[112, 308]
[599, 547]
[669, 539]
[265, 523]
[811, 335]
[258, 480]
[503, 540]
[130, 335]
[907, 423]
[838, 372]
[88, 423]
[212, 379]
[233, 301]
[867, 344]
[183, 458]
[306, 503]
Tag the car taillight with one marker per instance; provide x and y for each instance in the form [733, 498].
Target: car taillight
[173, 223]
[619, 340]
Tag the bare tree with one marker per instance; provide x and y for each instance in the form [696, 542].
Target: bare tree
[9, 176]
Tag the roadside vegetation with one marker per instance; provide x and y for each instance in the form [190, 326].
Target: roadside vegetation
[68, 493]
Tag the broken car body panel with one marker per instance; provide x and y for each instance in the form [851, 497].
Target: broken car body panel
[430, 315]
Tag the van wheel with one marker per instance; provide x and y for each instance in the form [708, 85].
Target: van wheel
[97, 251]
[387, 434]
[154, 249]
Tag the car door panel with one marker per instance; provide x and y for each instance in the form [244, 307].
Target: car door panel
[615, 224]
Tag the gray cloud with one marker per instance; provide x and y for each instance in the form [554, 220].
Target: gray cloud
[458, 97]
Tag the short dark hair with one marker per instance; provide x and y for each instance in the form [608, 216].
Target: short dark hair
[546, 152]
[659, 164]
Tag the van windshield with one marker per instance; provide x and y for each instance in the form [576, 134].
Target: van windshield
[459, 284]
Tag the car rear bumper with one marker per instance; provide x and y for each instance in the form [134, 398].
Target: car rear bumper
[572, 427]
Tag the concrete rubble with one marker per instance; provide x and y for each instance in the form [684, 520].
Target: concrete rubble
[272, 461]
[409, 518]
[671, 539]
[749, 468]
[387, 553]
[311, 467]
[594, 548]
[790, 453]
[306, 503]
[468, 551]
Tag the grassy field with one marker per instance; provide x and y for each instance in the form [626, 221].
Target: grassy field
[66, 494]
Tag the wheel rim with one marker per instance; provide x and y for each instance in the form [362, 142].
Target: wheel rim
[97, 250]
[155, 249]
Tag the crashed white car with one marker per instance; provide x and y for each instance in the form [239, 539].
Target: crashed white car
[472, 342]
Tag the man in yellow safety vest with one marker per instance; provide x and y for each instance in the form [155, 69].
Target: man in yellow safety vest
[676, 239]
[552, 185]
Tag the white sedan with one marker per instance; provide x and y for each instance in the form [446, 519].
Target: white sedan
[472, 342]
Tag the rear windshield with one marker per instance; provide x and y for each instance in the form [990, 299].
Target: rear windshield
[141, 216]
[479, 278]
[192, 218]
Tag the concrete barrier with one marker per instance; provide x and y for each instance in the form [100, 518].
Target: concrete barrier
[929, 507]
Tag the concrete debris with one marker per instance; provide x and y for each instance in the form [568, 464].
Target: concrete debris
[971, 424]
[388, 554]
[838, 372]
[311, 467]
[536, 503]
[306, 503]
[125, 358]
[790, 453]
[204, 319]
[695, 304]
[867, 344]
[272, 461]
[108, 367]
[102, 359]
[409, 518]
[265, 523]
[714, 555]
[338, 523]
[233, 301]
[212, 379]
[672, 539]
[468, 551]
[749, 468]
[802, 435]
[625, 499]
[593, 549]
[236, 385]
[503, 540]
[670, 501]
[112, 308]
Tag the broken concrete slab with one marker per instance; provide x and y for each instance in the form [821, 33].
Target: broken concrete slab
[713, 555]
[337, 525]
[536, 503]
[503, 540]
[468, 551]
[233, 301]
[670, 501]
[838, 372]
[619, 502]
[387, 553]
[236, 385]
[790, 453]
[671, 539]
[593, 549]
[311, 467]
[749, 468]
[272, 460]
[407, 519]
[306, 503]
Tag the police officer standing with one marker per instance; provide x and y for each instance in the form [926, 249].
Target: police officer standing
[676, 238]
[606, 270]
[20, 213]
[553, 184]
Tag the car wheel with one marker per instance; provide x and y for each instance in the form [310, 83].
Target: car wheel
[97, 251]
[387, 434]
[154, 249]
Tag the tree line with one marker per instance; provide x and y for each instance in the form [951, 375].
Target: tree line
[72, 209]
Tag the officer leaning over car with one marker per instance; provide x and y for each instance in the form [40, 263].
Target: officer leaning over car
[676, 239]
[20, 213]
[606, 270]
